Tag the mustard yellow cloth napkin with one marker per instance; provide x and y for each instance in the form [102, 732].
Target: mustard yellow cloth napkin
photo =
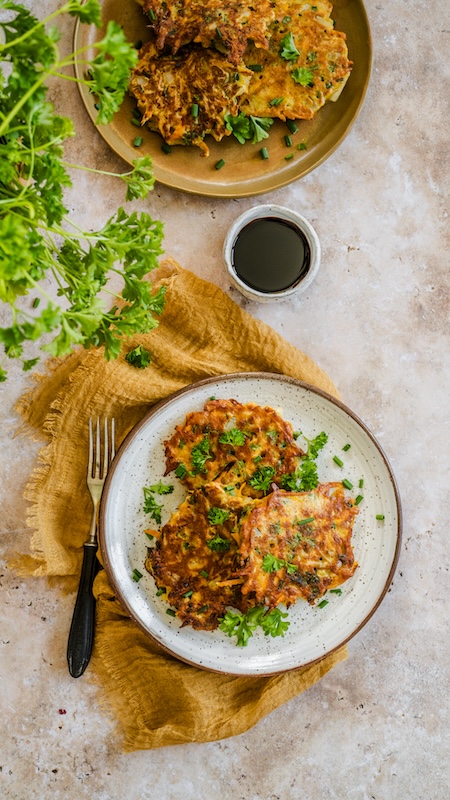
[156, 699]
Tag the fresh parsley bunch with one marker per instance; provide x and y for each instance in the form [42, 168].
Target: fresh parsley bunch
[39, 243]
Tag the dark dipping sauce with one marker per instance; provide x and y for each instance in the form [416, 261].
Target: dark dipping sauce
[271, 254]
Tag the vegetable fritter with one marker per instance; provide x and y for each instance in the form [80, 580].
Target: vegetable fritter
[242, 446]
[195, 559]
[306, 63]
[297, 545]
[228, 25]
[186, 96]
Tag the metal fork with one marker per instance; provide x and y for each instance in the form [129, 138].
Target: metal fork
[81, 636]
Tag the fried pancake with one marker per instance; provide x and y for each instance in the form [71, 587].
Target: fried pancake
[228, 25]
[244, 447]
[306, 63]
[186, 96]
[297, 545]
[195, 558]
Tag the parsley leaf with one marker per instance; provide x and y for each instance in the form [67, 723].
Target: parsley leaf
[161, 488]
[303, 479]
[217, 516]
[303, 75]
[288, 50]
[200, 454]
[262, 478]
[234, 623]
[139, 357]
[218, 544]
[234, 437]
[248, 128]
[151, 506]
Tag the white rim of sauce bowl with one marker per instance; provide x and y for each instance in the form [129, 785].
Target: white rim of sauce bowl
[274, 212]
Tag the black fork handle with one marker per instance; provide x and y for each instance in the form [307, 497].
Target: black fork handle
[81, 635]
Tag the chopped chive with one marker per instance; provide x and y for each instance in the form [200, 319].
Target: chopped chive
[358, 499]
[255, 67]
[289, 157]
[336, 591]
[97, 106]
[136, 113]
[189, 593]
[136, 122]
[202, 609]
[288, 141]
[151, 14]
[346, 447]
[194, 110]
[293, 127]
[160, 592]
[305, 521]
[138, 141]
[36, 302]
[220, 164]
[171, 612]
[347, 484]
[136, 575]
[379, 516]
[204, 574]
[338, 461]
[323, 603]
[149, 536]
[301, 146]
[361, 483]
[276, 101]
[264, 153]
[166, 148]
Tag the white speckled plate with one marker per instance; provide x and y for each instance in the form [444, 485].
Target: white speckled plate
[314, 632]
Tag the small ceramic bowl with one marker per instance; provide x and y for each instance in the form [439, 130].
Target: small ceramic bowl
[307, 239]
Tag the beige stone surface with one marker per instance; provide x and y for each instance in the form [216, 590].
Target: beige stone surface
[377, 320]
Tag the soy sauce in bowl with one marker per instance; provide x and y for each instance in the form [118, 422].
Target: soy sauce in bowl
[271, 253]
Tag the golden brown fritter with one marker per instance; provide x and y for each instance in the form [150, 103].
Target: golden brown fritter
[297, 545]
[306, 63]
[186, 96]
[244, 447]
[228, 25]
[195, 558]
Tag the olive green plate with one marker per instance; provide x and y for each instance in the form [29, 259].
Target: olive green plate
[245, 173]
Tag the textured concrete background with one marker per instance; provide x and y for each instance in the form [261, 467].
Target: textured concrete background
[377, 320]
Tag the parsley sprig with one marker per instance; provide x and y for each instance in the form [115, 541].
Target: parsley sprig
[248, 128]
[40, 244]
[273, 623]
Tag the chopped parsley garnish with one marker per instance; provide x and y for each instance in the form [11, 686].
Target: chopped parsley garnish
[234, 623]
[218, 544]
[272, 564]
[288, 50]
[217, 516]
[253, 129]
[316, 444]
[234, 437]
[303, 479]
[262, 478]
[200, 454]
[303, 75]
[161, 488]
[151, 506]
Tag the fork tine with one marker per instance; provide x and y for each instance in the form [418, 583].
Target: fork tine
[113, 438]
[105, 450]
[91, 448]
[97, 450]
